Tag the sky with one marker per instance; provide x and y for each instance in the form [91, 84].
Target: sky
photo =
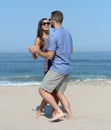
[88, 21]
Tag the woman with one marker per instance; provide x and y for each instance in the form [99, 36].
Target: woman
[41, 42]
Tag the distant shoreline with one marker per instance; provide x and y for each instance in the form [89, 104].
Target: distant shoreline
[100, 82]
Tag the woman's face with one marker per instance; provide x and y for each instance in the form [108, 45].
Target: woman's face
[45, 25]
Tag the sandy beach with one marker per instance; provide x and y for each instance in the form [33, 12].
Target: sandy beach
[90, 103]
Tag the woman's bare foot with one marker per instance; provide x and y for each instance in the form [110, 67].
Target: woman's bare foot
[38, 114]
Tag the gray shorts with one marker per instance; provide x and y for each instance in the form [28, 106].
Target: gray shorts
[54, 81]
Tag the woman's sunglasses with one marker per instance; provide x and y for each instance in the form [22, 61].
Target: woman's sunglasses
[44, 23]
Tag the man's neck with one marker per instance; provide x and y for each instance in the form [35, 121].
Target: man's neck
[57, 25]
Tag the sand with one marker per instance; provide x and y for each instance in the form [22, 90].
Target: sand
[90, 103]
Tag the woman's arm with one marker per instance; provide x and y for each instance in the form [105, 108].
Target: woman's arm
[34, 47]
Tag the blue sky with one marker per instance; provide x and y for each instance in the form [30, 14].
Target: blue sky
[89, 22]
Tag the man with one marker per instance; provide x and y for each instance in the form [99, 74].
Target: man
[59, 51]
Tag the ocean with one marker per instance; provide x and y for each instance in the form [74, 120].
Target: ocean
[19, 69]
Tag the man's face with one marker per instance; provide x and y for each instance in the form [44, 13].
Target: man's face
[52, 22]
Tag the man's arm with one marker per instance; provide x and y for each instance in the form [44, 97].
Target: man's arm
[48, 55]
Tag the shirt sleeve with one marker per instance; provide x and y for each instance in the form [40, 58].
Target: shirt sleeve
[51, 43]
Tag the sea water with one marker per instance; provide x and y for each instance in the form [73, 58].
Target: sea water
[20, 69]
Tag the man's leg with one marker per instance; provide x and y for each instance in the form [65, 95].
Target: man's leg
[64, 101]
[62, 98]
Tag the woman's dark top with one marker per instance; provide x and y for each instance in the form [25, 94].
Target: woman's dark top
[47, 63]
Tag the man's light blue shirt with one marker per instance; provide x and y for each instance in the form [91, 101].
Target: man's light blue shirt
[60, 41]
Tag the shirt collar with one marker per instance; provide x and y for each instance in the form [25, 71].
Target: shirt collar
[58, 28]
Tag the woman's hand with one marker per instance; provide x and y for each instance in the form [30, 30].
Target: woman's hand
[33, 49]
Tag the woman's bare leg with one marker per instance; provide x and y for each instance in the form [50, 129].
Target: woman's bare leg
[41, 107]
[54, 94]
[50, 99]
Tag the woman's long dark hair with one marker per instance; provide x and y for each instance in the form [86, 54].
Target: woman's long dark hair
[40, 31]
